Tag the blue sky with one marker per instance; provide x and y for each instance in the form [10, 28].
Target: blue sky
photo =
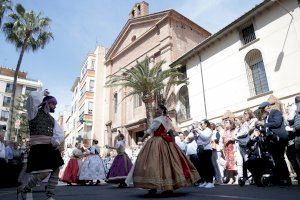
[78, 25]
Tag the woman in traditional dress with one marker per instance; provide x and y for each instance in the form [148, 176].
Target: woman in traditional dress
[67, 155]
[161, 164]
[93, 166]
[229, 150]
[121, 165]
[72, 169]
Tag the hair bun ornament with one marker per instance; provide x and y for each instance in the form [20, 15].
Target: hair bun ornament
[46, 93]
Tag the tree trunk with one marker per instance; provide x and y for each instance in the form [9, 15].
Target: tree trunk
[149, 113]
[148, 100]
[9, 127]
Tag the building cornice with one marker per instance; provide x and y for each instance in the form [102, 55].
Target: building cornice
[36, 83]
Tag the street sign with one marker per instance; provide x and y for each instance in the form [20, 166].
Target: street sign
[17, 124]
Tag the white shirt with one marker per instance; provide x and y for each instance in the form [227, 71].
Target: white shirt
[164, 120]
[251, 123]
[94, 148]
[292, 112]
[34, 99]
[191, 148]
[2, 150]
[204, 138]
[77, 152]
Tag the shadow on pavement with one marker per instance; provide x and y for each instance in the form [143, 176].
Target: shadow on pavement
[159, 195]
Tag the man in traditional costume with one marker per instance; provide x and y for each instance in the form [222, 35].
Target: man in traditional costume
[45, 137]
[161, 164]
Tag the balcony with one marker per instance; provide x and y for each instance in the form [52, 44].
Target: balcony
[86, 95]
[87, 120]
[88, 73]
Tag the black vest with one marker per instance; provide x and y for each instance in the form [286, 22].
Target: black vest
[42, 124]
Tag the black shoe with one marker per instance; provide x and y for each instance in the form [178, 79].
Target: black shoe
[152, 191]
[122, 185]
[167, 193]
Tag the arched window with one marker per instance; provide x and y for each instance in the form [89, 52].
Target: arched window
[116, 102]
[183, 104]
[256, 73]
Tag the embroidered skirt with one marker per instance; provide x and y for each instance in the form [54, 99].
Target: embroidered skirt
[161, 165]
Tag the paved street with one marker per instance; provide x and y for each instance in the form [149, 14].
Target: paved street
[112, 192]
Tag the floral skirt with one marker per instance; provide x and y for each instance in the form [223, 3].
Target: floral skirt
[92, 168]
[161, 165]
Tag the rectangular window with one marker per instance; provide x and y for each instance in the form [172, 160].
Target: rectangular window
[248, 34]
[9, 87]
[137, 101]
[4, 115]
[6, 101]
[116, 102]
[90, 108]
[93, 65]
[92, 82]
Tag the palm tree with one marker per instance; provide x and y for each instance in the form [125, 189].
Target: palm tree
[28, 31]
[4, 6]
[146, 82]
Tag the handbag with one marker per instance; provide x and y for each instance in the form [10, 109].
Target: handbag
[200, 149]
[243, 140]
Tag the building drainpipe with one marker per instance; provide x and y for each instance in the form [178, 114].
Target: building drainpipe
[204, 99]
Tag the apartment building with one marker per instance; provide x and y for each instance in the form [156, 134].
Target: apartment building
[24, 85]
[87, 89]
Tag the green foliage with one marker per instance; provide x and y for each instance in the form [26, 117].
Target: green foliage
[145, 80]
[5, 5]
[27, 29]
[21, 114]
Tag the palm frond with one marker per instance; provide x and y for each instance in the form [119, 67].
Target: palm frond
[5, 5]
[27, 29]
[145, 80]
[131, 93]
[20, 9]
